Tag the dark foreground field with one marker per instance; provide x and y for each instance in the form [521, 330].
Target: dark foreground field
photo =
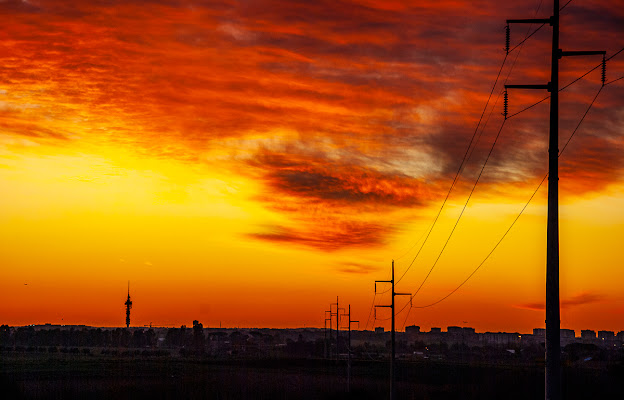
[64, 376]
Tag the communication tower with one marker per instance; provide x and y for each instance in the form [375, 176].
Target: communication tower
[128, 304]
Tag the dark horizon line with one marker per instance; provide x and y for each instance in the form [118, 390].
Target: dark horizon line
[298, 328]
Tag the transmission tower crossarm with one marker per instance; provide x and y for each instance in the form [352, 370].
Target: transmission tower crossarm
[541, 87]
[581, 53]
[531, 21]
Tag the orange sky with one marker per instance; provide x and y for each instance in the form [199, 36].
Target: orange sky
[242, 163]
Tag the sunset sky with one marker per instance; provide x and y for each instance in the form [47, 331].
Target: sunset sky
[244, 162]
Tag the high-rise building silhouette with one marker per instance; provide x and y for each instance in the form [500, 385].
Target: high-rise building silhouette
[128, 304]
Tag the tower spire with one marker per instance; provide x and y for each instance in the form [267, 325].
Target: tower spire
[128, 304]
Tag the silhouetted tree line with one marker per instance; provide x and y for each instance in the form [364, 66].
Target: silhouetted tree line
[305, 349]
[191, 341]
[87, 337]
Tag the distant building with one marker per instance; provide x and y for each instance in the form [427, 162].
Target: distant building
[454, 330]
[606, 335]
[412, 329]
[436, 330]
[566, 333]
[620, 336]
[464, 335]
[539, 332]
[501, 338]
[588, 334]
[567, 336]
[379, 329]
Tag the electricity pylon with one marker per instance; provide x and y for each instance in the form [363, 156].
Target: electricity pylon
[392, 332]
[348, 315]
[553, 324]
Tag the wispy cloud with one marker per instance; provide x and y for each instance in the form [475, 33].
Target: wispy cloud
[574, 301]
[334, 234]
[356, 268]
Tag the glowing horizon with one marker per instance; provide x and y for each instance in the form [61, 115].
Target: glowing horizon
[245, 163]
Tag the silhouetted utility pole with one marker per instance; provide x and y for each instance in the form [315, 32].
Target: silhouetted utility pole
[128, 304]
[337, 328]
[553, 344]
[392, 332]
[349, 350]
[337, 314]
[327, 347]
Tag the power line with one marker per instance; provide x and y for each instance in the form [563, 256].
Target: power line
[565, 5]
[527, 36]
[581, 121]
[570, 138]
[463, 208]
[506, 79]
[613, 81]
[500, 93]
[571, 83]
[487, 120]
[461, 165]
[591, 70]
[456, 222]
[514, 221]
[467, 155]
[411, 248]
[529, 107]
[469, 152]
[486, 257]
[370, 312]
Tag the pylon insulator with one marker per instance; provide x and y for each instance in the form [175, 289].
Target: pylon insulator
[505, 104]
[604, 70]
[507, 38]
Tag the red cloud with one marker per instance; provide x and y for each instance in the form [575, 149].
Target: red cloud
[374, 82]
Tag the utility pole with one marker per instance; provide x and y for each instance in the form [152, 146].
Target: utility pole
[337, 314]
[392, 332]
[349, 350]
[327, 347]
[331, 314]
[337, 328]
[553, 324]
